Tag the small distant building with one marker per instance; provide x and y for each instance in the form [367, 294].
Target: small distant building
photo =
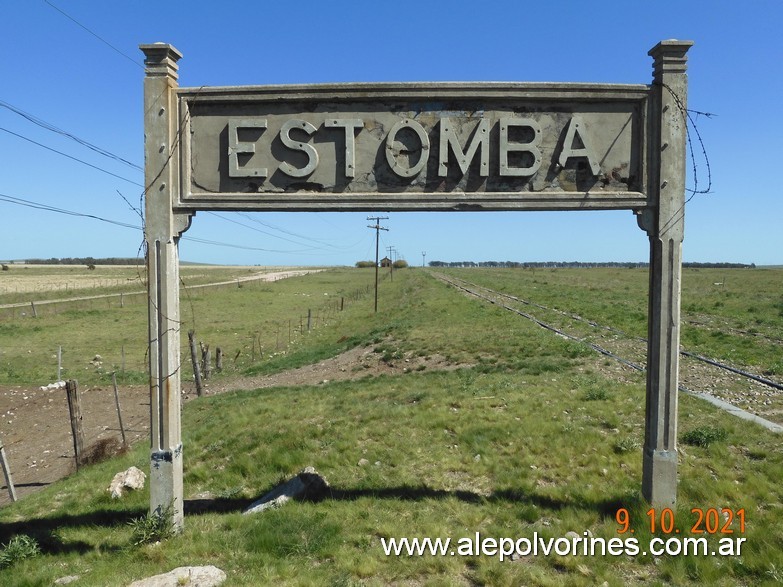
[386, 262]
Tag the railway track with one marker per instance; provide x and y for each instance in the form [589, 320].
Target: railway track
[742, 389]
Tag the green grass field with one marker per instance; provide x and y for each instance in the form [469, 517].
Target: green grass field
[527, 436]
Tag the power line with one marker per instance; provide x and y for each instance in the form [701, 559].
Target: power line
[101, 39]
[243, 247]
[258, 229]
[48, 208]
[52, 128]
[321, 242]
[71, 157]
[296, 235]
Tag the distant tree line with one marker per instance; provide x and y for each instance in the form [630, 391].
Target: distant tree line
[86, 261]
[565, 264]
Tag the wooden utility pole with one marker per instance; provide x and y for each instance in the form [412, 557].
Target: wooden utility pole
[377, 229]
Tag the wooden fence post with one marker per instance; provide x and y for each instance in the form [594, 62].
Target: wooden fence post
[194, 360]
[117, 403]
[75, 410]
[7, 472]
[206, 361]
[309, 320]
[218, 359]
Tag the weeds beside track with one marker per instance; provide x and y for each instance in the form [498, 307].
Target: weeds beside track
[503, 300]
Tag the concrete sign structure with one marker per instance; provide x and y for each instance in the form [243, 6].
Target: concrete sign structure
[415, 147]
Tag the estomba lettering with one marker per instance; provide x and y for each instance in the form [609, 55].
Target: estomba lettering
[517, 151]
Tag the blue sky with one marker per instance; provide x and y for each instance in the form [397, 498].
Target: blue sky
[55, 70]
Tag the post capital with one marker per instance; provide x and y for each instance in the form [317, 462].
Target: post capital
[669, 56]
[160, 59]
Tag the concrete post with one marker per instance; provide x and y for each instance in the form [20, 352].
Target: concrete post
[664, 225]
[162, 231]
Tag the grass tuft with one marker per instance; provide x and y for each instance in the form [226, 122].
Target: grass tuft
[595, 394]
[626, 445]
[20, 547]
[154, 527]
[704, 436]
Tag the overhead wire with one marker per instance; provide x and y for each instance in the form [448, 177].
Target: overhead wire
[294, 234]
[253, 228]
[52, 128]
[70, 157]
[96, 35]
[321, 242]
[46, 207]
[106, 153]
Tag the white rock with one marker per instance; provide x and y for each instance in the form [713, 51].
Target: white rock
[133, 478]
[307, 485]
[209, 576]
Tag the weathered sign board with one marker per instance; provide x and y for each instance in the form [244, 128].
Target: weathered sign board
[415, 147]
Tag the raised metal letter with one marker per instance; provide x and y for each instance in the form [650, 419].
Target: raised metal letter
[424, 140]
[532, 147]
[237, 147]
[350, 152]
[307, 148]
[449, 137]
[574, 130]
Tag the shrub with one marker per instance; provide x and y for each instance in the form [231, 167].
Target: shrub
[102, 450]
[704, 436]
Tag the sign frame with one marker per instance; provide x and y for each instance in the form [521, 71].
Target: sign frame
[659, 206]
